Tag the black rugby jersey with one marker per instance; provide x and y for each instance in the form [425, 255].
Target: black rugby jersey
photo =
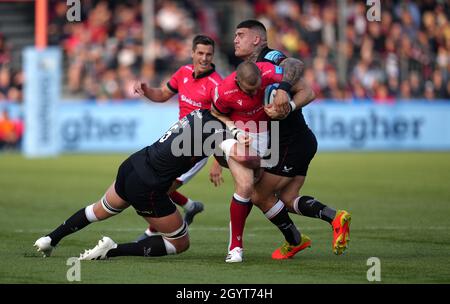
[187, 142]
[295, 122]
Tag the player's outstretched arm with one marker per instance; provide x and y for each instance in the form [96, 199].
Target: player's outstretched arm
[161, 94]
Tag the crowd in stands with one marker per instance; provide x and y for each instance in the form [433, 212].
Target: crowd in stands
[404, 56]
[10, 81]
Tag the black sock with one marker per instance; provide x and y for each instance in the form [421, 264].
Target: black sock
[308, 206]
[282, 220]
[72, 224]
[151, 246]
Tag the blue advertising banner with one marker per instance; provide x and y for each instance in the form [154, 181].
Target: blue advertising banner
[367, 126]
[41, 96]
[122, 127]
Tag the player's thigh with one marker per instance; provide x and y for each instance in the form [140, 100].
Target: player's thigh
[266, 189]
[291, 191]
[110, 204]
[173, 228]
[115, 200]
[243, 178]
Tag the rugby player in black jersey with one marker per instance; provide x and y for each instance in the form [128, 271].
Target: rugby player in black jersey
[143, 180]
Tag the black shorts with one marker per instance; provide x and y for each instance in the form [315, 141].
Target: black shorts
[295, 155]
[147, 200]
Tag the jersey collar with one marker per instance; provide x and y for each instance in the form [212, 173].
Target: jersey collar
[213, 69]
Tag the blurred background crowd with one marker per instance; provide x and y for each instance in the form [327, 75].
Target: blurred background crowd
[404, 56]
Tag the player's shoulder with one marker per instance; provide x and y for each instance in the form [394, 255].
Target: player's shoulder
[228, 86]
[267, 68]
[186, 69]
[229, 81]
[215, 78]
[273, 56]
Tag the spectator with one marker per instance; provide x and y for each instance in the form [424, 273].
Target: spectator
[10, 131]
[391, 58]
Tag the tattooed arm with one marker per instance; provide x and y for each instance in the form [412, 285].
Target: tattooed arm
[292, 70]
[303, 93]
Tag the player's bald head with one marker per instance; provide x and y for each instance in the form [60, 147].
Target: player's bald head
[248, 76]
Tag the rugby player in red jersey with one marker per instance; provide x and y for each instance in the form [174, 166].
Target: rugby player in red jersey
[297, 143]
[194, 83]
[239, 103]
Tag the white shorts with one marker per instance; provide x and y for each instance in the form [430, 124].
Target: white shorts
[191, 173]
[260, 142]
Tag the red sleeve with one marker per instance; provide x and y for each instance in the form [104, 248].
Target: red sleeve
[172, 84]
[270, 73]
[219, 102]
[217, 79]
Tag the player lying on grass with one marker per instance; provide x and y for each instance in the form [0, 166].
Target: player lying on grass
[143, 180]
[297, 145]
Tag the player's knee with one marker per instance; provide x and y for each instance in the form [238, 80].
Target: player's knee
[244, 188]
[289, 199]
[183, 245]
[262, 201]
[177, 241]
[103, 209]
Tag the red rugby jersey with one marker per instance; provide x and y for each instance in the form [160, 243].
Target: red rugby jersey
[241, 107]
[193, 93]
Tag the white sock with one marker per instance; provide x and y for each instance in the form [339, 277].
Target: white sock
[169, 247]
[90, 215]
[189, 205]
[148, 232]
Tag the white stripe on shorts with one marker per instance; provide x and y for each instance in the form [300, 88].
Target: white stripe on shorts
[186, 177]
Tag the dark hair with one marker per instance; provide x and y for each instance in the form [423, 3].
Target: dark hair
[202, 39]
[252, 24]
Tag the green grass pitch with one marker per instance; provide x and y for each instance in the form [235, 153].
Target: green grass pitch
[400, 203]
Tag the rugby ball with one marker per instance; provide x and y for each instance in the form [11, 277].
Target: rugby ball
[269, 93]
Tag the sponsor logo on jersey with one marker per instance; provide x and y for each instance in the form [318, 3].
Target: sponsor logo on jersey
[230, 91]
[250, 113]
[190, 101]
[273, 56]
